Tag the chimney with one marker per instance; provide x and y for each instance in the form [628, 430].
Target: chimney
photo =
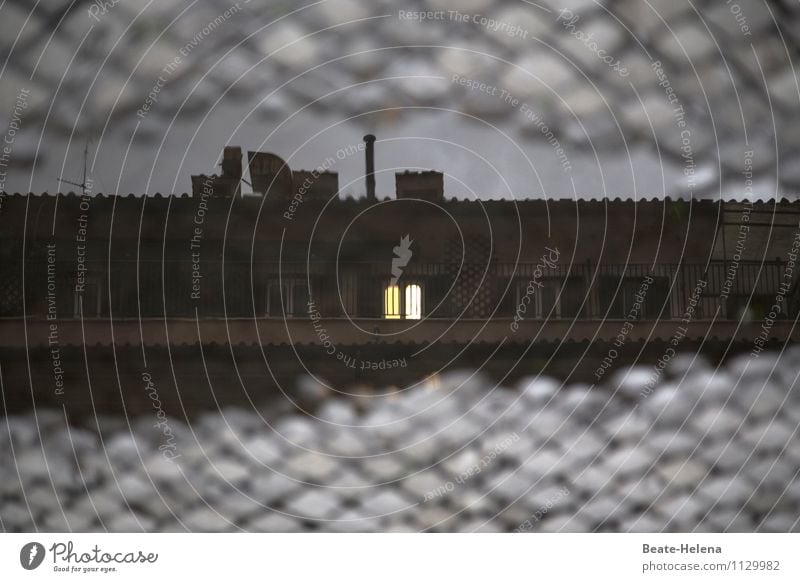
[369, 139]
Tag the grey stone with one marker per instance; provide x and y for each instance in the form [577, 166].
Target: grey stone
[272, 522]
[354, 521]
[67, 521]
[730, 490]
[563, 523]
[15, 516]
[127, 522]
[769, 434]
[206, 519]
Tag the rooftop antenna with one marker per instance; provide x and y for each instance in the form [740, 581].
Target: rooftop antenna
[369, 140]
[83, 185]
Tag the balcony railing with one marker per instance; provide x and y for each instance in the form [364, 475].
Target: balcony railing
[173, 288]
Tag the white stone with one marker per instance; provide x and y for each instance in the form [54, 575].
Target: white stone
[384, 502]
[683, 472]
[291, 45]
[228, 470]
[268, 487]
[296, 430]
[538, 390]
[630, 381]
[262, 450]
[342, 11]
[536, 75]
[634, 461]
[421, 483]
[163, 470]
[311, 466]
[124, 449]
[346, 442]
[669, 406]
[337, 411]
[466, 460]
[134, 488]
[708, 385]
[313, 503]
[627, 428]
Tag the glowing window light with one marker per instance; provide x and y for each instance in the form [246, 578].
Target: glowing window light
[391, 302]
[413, 302]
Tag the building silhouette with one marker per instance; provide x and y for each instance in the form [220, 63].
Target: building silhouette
[250, 280]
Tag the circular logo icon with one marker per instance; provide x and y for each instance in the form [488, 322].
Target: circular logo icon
[31, 555]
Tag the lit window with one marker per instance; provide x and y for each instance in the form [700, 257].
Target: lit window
[391, 302]
[402, 301]
[413, 302]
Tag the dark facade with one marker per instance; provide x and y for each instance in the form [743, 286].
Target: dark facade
[301, 267]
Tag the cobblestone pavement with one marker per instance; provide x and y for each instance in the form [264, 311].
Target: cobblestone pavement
[705, 449]
[641, 92]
